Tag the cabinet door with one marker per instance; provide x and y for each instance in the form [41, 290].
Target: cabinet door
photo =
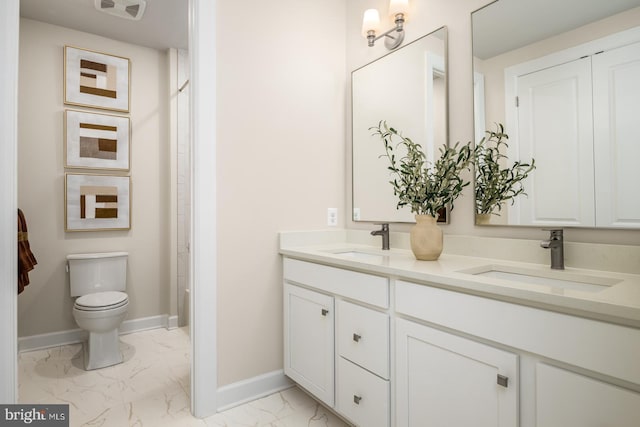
[567, 399]
[444, 380]
[560, 190]
[616, 102]
[308, 341]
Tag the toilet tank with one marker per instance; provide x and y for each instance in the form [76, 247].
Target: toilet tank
[97, 272]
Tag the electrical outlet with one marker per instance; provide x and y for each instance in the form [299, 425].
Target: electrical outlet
[332, 217]
[356, 214]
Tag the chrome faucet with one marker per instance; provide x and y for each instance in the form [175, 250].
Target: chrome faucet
[556, 245]
[384, 232]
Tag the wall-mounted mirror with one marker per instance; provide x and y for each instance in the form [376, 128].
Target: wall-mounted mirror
[408, 89]
[562, 76]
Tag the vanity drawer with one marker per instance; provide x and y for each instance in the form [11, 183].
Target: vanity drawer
[363, 287]
[363, 337]
[361, 396]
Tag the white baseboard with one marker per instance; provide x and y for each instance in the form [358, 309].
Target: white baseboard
[143, 324]
[53, 339]
[72, 336]
[253, 388]
[172, 322]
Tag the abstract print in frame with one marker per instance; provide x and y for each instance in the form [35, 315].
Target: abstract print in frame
[97, 141]
[97, 202]
[93, 79]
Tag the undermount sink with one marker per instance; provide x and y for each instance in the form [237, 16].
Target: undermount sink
[553, 278]
[362, 255]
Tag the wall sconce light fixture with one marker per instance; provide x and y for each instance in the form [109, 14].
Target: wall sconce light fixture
[371, 24]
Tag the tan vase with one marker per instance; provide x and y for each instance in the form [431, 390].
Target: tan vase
[426, 238]
[483, 218]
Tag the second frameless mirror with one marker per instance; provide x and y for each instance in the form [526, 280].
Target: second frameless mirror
[568, 94]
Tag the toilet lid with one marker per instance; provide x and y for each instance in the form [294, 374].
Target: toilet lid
[101, 300]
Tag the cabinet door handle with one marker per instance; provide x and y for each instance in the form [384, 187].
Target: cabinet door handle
[503, 381]
[357, 399]
[356, 337]
[324, 311]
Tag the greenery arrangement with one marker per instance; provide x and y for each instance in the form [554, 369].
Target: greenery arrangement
[495, 184]
[426, 188]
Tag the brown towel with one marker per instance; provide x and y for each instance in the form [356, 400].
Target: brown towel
[26, 260]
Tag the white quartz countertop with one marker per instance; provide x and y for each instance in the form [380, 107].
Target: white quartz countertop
[618, 301]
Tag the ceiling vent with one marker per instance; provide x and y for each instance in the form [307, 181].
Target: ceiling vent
[127, 9]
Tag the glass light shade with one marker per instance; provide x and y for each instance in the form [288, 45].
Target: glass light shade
[370, 21]
[398, 6]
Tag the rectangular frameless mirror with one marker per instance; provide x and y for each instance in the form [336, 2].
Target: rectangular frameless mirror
[408, 89]
[562, 77]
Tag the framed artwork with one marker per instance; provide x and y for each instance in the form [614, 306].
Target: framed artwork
[97, 202]
[98, 80]
[96, 141]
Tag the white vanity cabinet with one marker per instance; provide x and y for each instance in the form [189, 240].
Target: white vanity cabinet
[578, 372]
[336, 339]
[385, 351]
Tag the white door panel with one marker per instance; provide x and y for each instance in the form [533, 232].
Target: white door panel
[616, 103]
[560, 190]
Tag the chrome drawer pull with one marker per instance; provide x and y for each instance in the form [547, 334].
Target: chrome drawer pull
[357, 399]
[503, 381]
[356, 337]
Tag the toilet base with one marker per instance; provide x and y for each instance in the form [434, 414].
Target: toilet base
[102, 350]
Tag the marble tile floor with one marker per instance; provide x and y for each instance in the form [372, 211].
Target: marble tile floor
[151, 388]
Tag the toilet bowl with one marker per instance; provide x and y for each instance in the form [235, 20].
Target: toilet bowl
[98, 280]
[102, 349]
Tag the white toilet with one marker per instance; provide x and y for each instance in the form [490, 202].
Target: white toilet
[99, 281]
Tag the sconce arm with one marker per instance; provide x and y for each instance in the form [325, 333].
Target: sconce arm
[392, 41]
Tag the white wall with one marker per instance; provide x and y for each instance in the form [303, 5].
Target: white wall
[426, 16]
[281, 160]
[45, 305]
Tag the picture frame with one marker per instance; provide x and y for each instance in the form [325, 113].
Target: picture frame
[97, 202]
[95, 79]
[96, 141]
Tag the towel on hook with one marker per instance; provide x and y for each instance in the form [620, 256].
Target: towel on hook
[26, 260]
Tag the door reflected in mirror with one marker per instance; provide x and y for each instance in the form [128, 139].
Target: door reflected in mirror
[565, 85]
[407, 88]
